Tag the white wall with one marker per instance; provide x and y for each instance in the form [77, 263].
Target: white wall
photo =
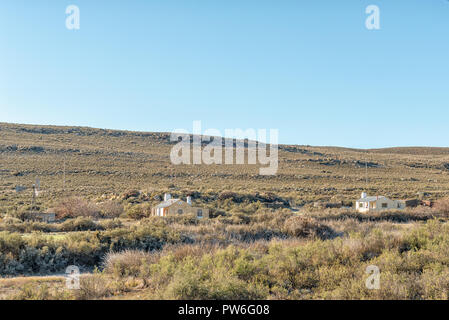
[377, 205]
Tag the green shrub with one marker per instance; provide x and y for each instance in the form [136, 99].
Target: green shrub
[305, 227]
[80, 224]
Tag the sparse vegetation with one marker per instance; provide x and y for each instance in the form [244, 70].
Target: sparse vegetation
[442, 206]
[290, 236]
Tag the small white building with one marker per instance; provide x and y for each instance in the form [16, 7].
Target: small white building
[378, 203]
[170, 207]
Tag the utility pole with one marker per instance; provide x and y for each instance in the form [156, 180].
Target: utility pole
[33, 201]
[366, 173]
[63, 186]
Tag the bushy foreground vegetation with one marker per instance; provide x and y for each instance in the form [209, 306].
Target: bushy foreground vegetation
[47, 253]
[269, 254]
[414, 264]
[51, 247]
[28, 247]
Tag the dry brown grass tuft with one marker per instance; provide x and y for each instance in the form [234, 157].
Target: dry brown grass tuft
[442, 206]
[76, 207]
[307, 227]
[128, 262]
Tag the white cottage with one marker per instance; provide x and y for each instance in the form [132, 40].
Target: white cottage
[170, 207]
[378, 203]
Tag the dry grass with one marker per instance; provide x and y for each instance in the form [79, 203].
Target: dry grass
[442, 206]
[102, 165]
[267, 239]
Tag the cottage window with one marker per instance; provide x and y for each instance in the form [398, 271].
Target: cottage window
[384, 205]
[200, 213]
[180, 211]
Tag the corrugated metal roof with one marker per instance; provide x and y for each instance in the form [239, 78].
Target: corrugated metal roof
[369, 199]
[168, 203]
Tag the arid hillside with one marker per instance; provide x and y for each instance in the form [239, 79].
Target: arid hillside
[105, 163]
[293, 235]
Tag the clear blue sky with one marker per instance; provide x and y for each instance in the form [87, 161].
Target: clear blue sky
[308, 68]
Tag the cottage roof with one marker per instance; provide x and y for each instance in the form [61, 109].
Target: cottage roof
[168, 203]
[369, 199]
